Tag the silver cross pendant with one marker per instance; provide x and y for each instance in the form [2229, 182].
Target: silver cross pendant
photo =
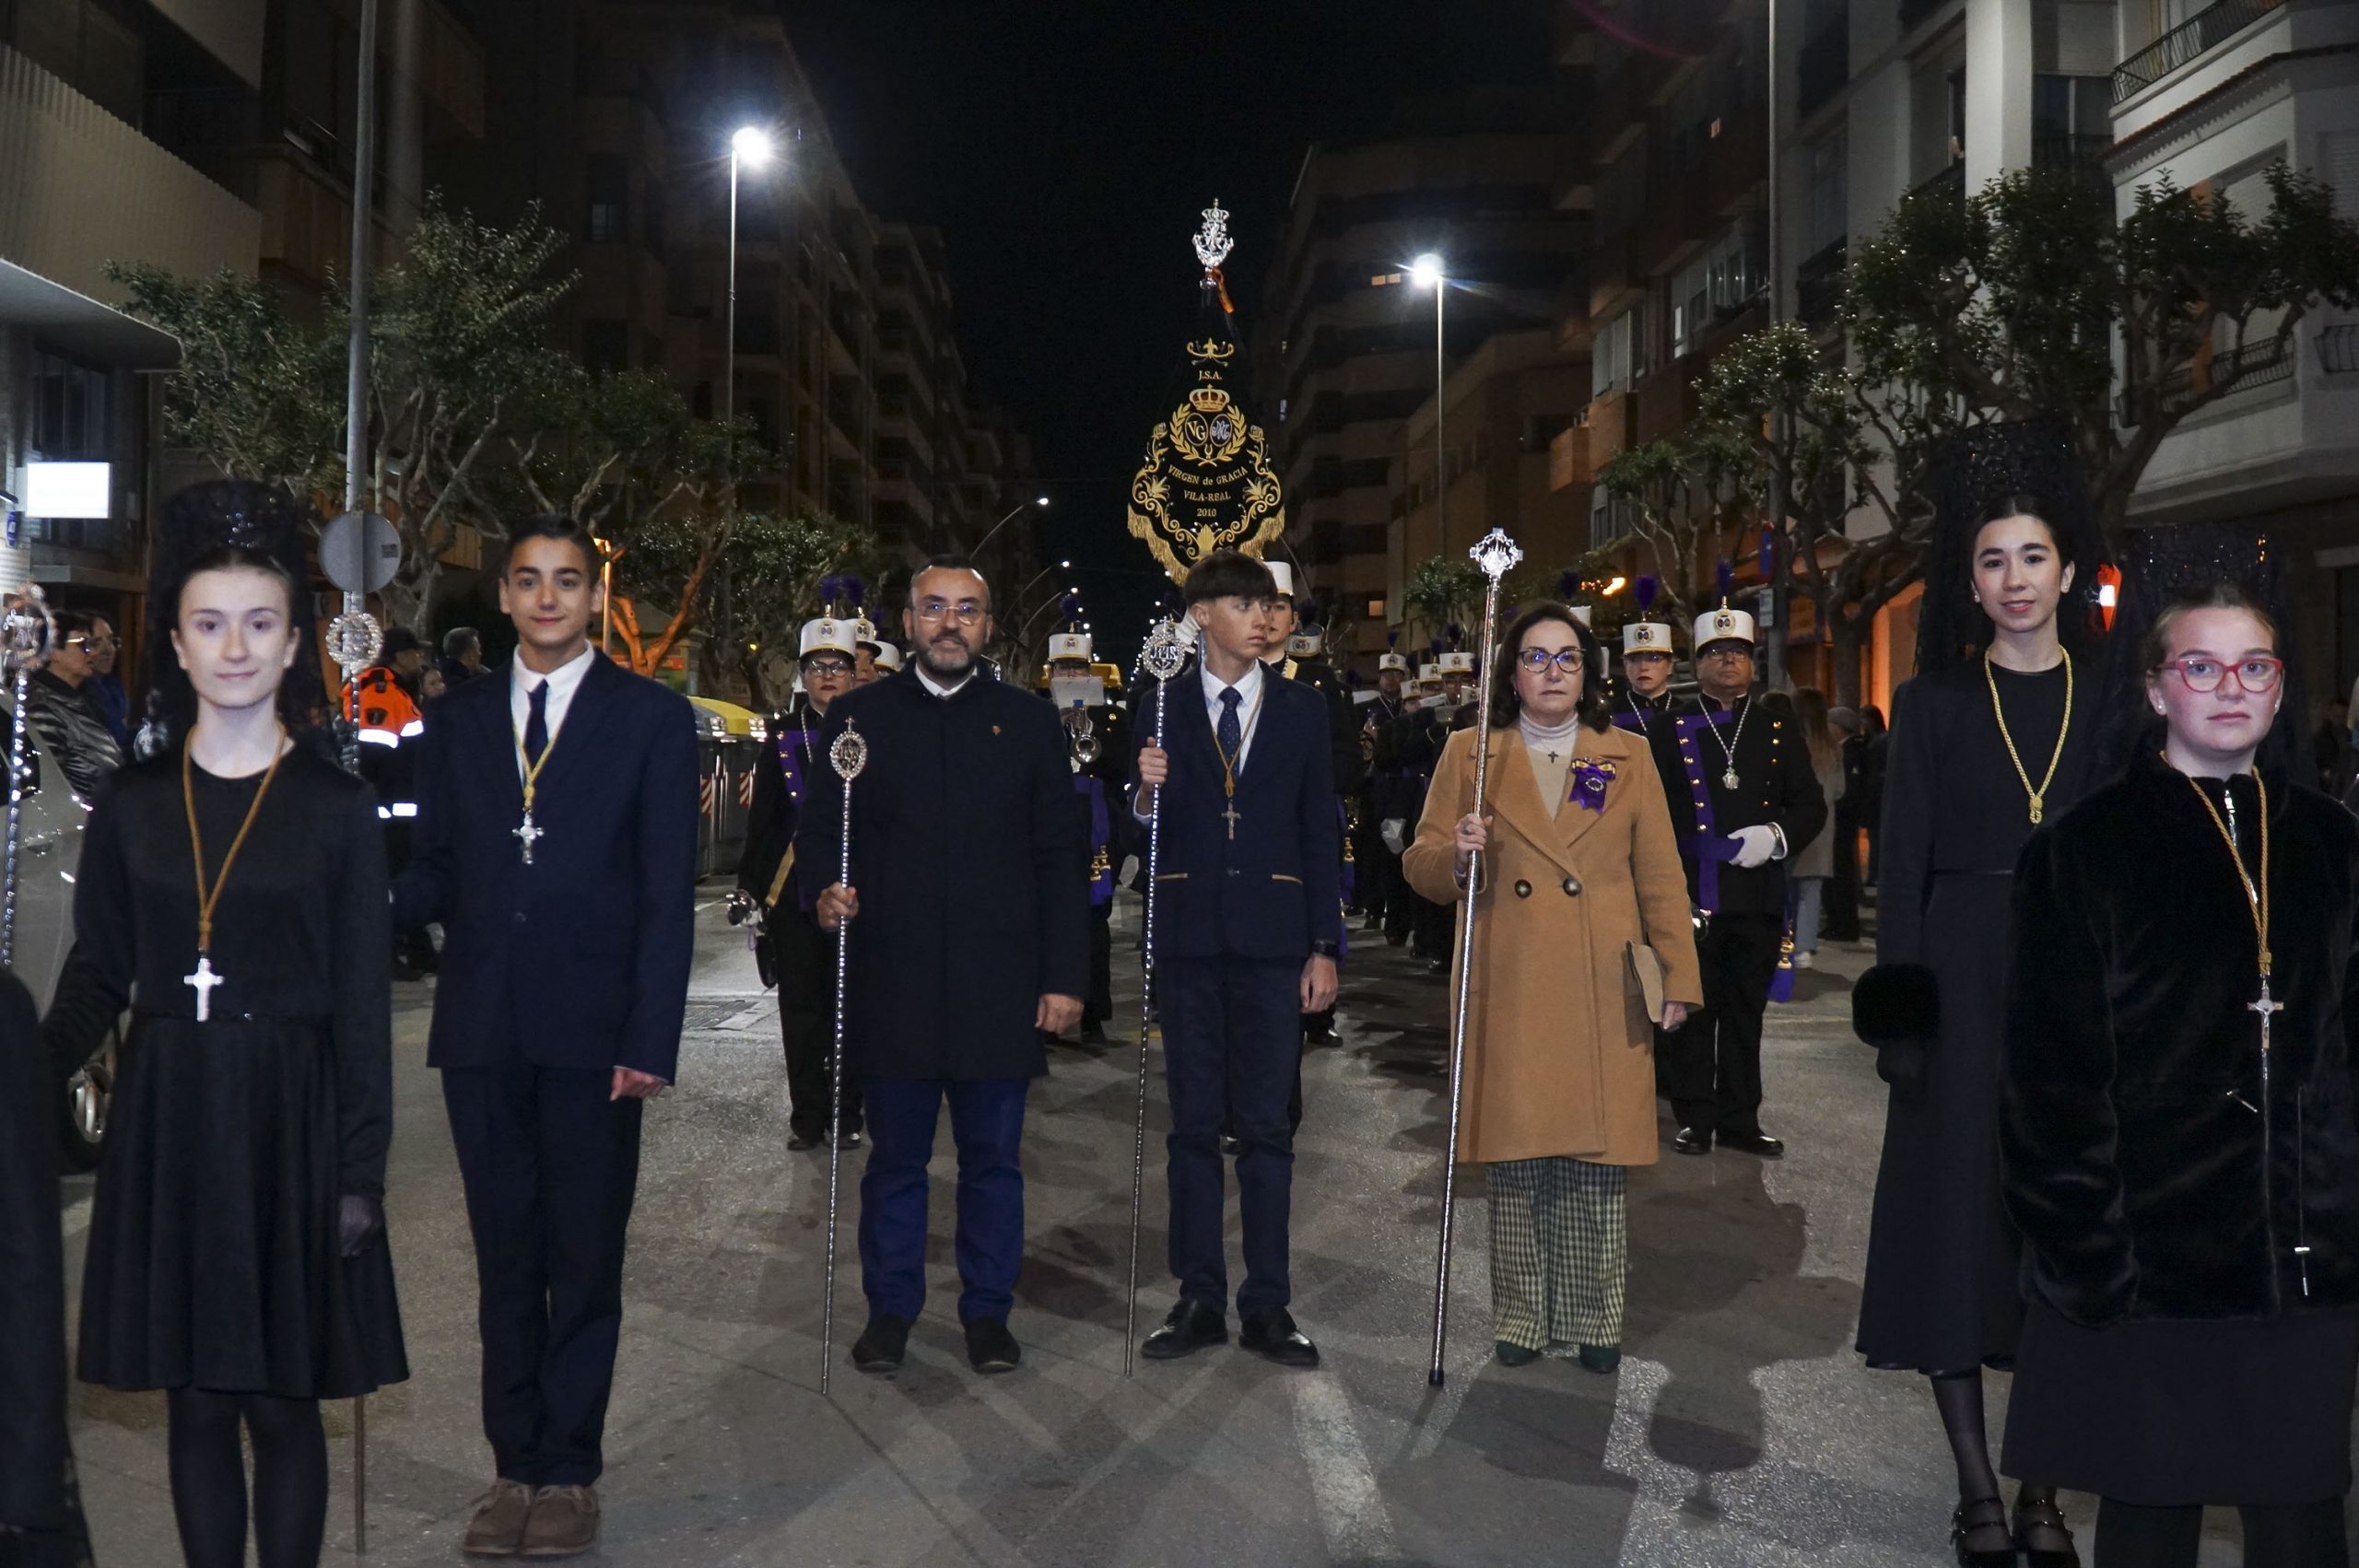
[526, 834]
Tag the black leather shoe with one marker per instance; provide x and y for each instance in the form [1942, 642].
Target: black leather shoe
[1230, 1146]
[1271, 1332]
[1692, 1141]
[852, 1137]
[882, 1345]
[990, 1347]
[2042, 1535]
[1094, 1035]
[798, 1141]
[1191, 1325]
[1978, 1534]
[1323, 1036]
[1759, 1143]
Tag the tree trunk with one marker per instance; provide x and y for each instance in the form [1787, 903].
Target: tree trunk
[1847, 636]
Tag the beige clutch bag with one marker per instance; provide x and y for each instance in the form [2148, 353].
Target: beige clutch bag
[1646, 973]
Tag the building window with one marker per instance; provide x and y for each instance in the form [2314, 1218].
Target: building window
[1374, 610]
[80, 44]
[605, 346]
[72, 411]
[1826, 203]
[605, 191]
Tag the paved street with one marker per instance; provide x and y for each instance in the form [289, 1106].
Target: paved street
[1742, 1429]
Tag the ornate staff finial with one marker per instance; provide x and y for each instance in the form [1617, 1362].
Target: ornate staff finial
[850, 753]
[25, 628]
[1212, 243]
[1167, 650]
[1496, 553]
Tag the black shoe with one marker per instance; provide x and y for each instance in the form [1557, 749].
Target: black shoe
[1191, 1325]
[1692, 1141]
[1324, 1036]
[1601, 1358]
[2042, 1535]
[990, 1347]
[882, 1345]
[798, 1141]
[1271, 1332]
[1978, 1534]
[1759, 1143]
[852, 1137]
[1514, 1355]
[1230, 1146]
[1093, 1034]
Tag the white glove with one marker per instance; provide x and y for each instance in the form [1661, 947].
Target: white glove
[1391, 833]
[1755, 846]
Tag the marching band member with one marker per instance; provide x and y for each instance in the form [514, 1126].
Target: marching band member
[1306, 664]
[1248, 933]
[1100, 753]
[793, 953]
[1742, 799]
[1648, 660]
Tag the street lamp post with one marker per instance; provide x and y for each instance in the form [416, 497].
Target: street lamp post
[976, 554]
[749, 149]
[1427, 273]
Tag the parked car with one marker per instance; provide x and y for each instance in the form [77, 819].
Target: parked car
[48, 850]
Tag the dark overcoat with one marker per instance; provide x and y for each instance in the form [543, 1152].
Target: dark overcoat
[967, 854]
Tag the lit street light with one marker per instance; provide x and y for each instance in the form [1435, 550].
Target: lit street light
[977, 553]
[749, 149]
[1427, 273]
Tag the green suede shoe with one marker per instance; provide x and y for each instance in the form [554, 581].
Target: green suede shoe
[1601, 1358]
[1515, 1355]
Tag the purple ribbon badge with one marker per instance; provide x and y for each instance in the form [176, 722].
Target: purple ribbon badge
[1591, 776]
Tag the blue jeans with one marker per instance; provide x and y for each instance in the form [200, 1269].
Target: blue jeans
[986, 1124]
[1810, 898]
[1232, 1050]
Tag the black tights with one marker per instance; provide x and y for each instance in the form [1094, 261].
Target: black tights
[290, 1491]
[2307, 1535]
[1958, 1395]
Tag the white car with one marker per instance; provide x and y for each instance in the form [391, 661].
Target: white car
[48, 850]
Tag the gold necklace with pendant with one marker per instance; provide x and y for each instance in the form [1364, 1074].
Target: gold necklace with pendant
[1999, 711]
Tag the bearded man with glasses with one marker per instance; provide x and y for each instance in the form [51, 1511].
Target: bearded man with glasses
[968, 907]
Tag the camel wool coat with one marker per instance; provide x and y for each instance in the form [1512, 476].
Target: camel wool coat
[1559, 1050]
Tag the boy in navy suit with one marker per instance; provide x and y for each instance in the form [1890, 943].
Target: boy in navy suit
[1248, 922]
[556, 845]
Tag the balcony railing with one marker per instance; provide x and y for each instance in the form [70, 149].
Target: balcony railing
[1826, 62]
[2193, 38]
[2255, 365]
[1818, 285]
[1949, 183]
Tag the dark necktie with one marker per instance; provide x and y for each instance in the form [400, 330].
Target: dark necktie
[536, 724]
[1230, 735]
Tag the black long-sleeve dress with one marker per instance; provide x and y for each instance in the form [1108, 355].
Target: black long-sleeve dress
[213, 1257]
[1940, 1294]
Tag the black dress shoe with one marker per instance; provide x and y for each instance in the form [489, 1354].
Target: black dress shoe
[990, 1347]
[1692, 1141]
[1271, 1332]
[1230, 1146]
[1759, 1143]
[1093, 1034]
[1191, 1325]
[798, 1141]
[1322, 1037]
[1978, 1534]
[882, 1345]
[852, 1137]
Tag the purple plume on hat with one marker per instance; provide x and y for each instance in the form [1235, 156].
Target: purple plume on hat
[1647, 587]
[1391, 639]
[852, 589]
[1436, 647]
[1725, 575]
[1568, 583]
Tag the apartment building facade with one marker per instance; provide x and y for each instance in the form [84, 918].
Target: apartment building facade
[1345, 357]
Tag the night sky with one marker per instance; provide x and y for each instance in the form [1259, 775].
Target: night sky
[1066, 148]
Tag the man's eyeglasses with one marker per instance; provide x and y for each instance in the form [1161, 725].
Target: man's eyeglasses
[1536, 659]
[91, 644]
[1728, 650]
[2202, 674]
[966, 612]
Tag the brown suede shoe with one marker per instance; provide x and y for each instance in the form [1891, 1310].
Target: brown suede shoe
[497, 1527]
[564, 1522]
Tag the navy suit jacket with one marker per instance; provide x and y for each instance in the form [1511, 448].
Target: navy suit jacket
[1276, 888]
[580, 959]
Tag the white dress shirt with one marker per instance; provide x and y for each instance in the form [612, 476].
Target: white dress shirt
[1250, 691]
[563, 682]
[925, 678]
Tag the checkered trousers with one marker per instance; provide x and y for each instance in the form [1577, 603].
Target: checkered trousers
[1560, 1247]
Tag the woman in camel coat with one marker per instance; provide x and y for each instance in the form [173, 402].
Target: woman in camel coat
[1579, 865]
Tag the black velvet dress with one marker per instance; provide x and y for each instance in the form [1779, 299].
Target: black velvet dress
[2190, 1221]
[213, 1251]
[1940, 1293]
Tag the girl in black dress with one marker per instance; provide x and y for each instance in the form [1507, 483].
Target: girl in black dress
[233, 893]
[1985, 745]
[2180, 1152]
